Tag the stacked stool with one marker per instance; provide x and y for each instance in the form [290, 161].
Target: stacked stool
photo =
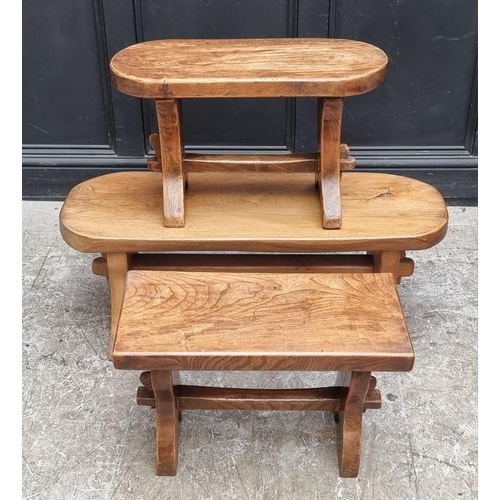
[297, 258]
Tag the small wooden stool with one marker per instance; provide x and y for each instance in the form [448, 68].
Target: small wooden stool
[174, 320]
[171, 70]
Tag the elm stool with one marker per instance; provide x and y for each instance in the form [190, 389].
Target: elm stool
[171, 70]
[174, 321]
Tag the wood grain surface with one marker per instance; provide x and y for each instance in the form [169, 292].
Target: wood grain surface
[166, 423]
[123, 212]
[274, 67]
[351, 420]
[329, 160]
[117, 264]
[226, 321]
[258, 263]
[284, 163]
[171, 153]
[189, 397]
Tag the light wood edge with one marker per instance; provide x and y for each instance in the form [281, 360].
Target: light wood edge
[218, 87]
[84, 242]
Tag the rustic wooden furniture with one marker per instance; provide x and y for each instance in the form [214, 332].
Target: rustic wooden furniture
[173, 320]
[120, 216]
[256, 227]
[171, 70]
[251, 280]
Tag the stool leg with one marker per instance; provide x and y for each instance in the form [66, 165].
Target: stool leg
[329, 162]
[166, 423]
[172, 152]
[118, 264]
[350, 424]
[387, 261]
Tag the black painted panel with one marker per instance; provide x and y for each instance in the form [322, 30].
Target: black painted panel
[234, 122]
[432, 50]
[119, 23]
[224, 122]
[422, 122]
[62, 88]
[313, 22]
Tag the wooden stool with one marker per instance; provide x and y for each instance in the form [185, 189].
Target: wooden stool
[350, 323]
[170, 70]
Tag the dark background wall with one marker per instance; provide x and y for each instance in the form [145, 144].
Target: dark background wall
[422, 122]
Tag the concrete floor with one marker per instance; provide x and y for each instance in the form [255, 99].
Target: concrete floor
[84, 437]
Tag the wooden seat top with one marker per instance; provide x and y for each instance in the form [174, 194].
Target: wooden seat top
[231, 321]
[258, 212]
[274, 67]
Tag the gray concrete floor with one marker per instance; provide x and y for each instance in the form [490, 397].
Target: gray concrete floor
[84, 437]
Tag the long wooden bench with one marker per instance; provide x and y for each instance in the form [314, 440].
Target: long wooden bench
[349, 323]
